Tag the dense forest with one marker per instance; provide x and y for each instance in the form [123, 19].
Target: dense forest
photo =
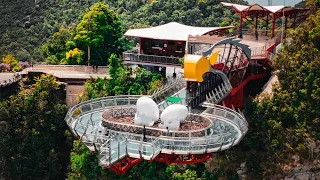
[27, 25]
[36, 143]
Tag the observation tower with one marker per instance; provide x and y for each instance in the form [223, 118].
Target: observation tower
[201, 110]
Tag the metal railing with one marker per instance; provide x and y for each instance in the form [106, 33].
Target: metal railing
[252, 31]
[262, 52]
[271, 56]
[113, 150]
[275, 40]
[221, 91]
[258, 51]
[226, 129]
[95, 104]
[134, 56]
[172, 86]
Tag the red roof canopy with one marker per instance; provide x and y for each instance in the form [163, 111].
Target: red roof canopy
[259, 10]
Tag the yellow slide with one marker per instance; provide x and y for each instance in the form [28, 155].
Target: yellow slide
[197, 65]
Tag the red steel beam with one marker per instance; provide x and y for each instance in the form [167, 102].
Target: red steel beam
[249, 78]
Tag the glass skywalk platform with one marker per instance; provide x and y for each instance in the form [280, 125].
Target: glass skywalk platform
[226, 129]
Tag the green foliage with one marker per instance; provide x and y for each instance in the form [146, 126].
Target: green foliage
[123, 81]
[181, 61]
[101, 30]
[34, 143]
[25, 43]
[285, 124]
[56, 48]
[83, 163]
[139, 14]
[187, 174]
[114, 65]
[14, 64]
[74, 56]
[52, 60]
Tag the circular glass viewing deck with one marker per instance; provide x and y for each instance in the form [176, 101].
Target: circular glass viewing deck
[221, 128]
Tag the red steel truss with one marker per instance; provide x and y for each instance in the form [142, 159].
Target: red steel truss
[123, 165]
[256, 11]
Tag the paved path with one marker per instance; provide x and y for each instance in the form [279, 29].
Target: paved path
[66, 74]
[270, 84]
[61, 72]
[8, 78]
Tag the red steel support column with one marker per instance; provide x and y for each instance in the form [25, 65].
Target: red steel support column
[241, 21]
[256, 22]
[165, 48]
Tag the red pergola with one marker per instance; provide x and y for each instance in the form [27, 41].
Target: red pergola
[269, 13]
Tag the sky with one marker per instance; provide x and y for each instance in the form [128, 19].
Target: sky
[274, 2]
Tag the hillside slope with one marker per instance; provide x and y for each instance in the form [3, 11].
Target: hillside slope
[46, 17]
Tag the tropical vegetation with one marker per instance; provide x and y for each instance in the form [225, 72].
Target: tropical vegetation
[36, 144]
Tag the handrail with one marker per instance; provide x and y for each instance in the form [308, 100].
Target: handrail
[74, 108]
[172, 85]
[172, 131]
[216, 106]
[64, 65]
[186, 142]
[135, 56]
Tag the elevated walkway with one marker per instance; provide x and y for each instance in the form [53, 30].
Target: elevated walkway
[7, 79]
[260, 49]
[227, 128]
[68, 72]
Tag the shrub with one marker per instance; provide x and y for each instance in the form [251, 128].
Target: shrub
[24, 64]
[4, 67]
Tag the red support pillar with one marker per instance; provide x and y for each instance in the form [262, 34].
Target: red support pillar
[241, 21]
[140, 50]
[165, 48]
[256, 23]
[273, 25]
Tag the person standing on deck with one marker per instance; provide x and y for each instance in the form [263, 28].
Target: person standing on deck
[240, 35]
[144, 132]
[168, 132]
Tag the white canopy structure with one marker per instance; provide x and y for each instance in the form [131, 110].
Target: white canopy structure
[172, 31]
[256, 7]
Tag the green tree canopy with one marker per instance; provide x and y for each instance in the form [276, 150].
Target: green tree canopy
[34, 140]
[100, 29]
[287, 123]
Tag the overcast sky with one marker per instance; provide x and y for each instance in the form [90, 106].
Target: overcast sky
[274, 2]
